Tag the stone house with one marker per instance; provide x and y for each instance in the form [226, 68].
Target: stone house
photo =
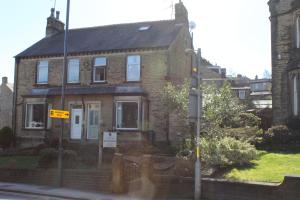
[115, 76]
[285, 32]
[6, 103]
[261, 95]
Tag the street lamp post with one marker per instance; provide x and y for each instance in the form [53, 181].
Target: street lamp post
[199, 106]
[60, 145]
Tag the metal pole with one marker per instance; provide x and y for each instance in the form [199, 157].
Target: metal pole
[199, 105]
[63, 86]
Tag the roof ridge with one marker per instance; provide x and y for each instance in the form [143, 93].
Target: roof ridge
[110, 25]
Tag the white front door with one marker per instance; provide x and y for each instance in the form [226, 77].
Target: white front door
[93, 123]
[76, 123]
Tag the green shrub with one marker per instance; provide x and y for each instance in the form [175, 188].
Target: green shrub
[6, 137]
[227, 151]
[244, 133]
[249, 119]
[277, 135]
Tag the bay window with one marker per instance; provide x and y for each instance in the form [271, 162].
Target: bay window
[127, 115]
[73, 71]
[35, 116]
[133, 70]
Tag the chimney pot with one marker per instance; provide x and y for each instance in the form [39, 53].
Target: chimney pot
[52, 12]
[57, 15]
[4, 80]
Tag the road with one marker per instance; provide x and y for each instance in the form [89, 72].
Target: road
[20, 196]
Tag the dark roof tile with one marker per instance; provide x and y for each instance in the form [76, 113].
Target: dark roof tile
[108, 38]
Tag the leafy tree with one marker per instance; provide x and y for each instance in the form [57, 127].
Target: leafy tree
[221, 106]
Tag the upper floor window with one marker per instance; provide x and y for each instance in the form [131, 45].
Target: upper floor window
[298, 32]
[133, 71]
[42, 72]
[242, 94]
[73, 71]
[99, 72]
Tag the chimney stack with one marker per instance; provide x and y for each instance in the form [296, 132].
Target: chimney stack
[4, 80]
[53, 24]
[181, 13]
[57, 15]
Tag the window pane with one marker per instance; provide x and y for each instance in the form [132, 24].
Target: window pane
[42, 72]
[127, 115]
[99, 74]
[73, 71]
[35, 117]
[133, 68]
[100, 62]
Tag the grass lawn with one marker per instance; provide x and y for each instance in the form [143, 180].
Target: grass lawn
[19, 162]
[270, 167]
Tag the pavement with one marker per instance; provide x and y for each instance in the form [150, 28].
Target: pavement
[61, 193]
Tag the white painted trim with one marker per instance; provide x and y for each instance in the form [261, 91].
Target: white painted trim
[26, 111]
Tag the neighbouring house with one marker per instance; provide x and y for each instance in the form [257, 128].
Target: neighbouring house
[240, 86]
[261, 95]
[115, 76]
[285, 32]
[6, 103]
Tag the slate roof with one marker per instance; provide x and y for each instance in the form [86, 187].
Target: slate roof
[107, 38]
[108, 90]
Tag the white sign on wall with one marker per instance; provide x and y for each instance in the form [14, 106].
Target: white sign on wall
[110, 139]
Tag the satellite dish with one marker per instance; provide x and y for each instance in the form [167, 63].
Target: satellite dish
[192, 25]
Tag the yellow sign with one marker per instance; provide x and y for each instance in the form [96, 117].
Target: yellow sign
[60, 114]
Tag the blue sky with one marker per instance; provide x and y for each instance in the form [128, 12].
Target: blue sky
[234, 33]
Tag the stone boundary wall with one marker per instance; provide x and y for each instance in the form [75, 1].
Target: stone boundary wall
[95, 180]
[150, 185]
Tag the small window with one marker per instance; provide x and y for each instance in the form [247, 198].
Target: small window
[42, 72]
[127, 115]
[144, 28]
[99, 70]
[295, 96]
[35, 116]
[133, 71]
[73, 71]
[298, 32]
[242, 94]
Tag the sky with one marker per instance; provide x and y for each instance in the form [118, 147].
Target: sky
[234, 34]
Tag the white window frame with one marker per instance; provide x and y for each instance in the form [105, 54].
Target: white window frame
[138, 117]
[26, 112]
[99, 66]
[295, 96]
[69, 71]
[298, 31]
[242, 94]
[128, 64]
[42, 64]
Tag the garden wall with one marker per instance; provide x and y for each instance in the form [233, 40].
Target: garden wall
[96, 180]
[151, 184]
